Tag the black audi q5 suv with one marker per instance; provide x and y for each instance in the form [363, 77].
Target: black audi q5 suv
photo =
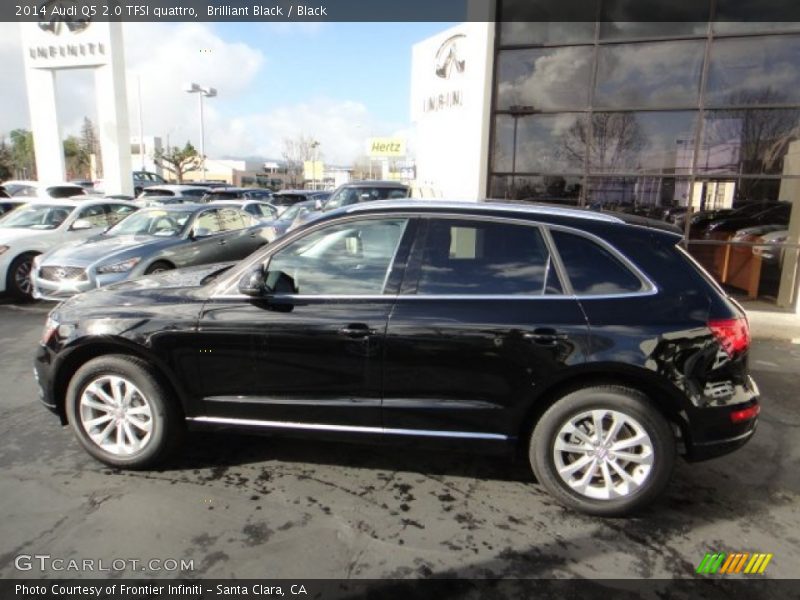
[596, 347]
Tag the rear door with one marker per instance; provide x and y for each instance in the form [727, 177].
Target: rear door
[481, 321]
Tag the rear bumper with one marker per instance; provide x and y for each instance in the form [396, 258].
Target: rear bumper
[712, 433]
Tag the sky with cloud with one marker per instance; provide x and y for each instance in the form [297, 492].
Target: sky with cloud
[338, 82]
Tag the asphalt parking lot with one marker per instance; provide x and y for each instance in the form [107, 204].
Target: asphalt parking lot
[268, 507]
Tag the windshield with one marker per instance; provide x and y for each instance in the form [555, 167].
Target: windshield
[38, 216]
[162, 223]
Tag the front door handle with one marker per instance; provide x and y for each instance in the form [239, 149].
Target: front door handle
[357, 330]
[545, 336]
[223, 242]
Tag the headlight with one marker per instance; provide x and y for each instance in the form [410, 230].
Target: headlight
[3, 249]
[50, 327]
[120, 267]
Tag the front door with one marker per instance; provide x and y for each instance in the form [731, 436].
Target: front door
[310, 358]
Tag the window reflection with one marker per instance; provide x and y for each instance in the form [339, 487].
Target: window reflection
[751, 71]
[543, 79]
[540, 143]
[545, 32]
[750, 142]
[553, 189]
[663, 74]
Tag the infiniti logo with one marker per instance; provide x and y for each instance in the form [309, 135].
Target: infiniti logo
[447, 57]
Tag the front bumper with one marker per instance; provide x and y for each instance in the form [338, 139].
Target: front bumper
[47, 289]
[44, 374]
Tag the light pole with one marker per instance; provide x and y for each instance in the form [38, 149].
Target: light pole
[204, 92]
[314, 146]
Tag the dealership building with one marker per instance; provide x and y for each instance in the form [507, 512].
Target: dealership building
[612, 114]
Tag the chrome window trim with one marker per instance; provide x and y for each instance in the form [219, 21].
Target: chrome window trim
[347, 428]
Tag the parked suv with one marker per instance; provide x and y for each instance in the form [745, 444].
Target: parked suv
[598, 348]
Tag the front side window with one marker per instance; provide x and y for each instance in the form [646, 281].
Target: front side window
[233, 219]
[207, 224]
[96, 215]
[593, 270]
[347, 259]
[465, 257]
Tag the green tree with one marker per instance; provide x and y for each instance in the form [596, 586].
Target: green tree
[6, 161]
[22, 153]
[178, 161]
[76, 158]
[91, 145]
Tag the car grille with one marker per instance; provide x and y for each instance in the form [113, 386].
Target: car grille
[62, 273]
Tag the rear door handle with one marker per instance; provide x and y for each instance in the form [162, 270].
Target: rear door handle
[223, 242]
[544, 336]
[357, 330]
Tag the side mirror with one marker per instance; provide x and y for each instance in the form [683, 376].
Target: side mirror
[81, 225]
[253, 283]
[256, 284]
[318, 204]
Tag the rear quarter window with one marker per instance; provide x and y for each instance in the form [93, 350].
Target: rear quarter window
[591, 268]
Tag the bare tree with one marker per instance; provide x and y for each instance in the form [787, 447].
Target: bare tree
[614, 142]
[295, 152]
[757, 140]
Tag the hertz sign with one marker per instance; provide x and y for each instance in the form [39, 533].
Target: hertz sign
[386, 147]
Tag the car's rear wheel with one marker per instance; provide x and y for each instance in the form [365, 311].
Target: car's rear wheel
[121, 413]
[158, 267]
[18, 280]
[603, 450]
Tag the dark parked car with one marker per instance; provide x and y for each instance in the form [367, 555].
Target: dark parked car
[598, 348]
[366, 191]
[777, 214]
[701, 220]
[232, 193]
[286, 198]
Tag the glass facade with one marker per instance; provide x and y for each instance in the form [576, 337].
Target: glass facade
[645, 114]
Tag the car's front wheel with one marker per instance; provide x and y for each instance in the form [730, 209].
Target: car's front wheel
[121, 413]
[603, 450]
[18, 280]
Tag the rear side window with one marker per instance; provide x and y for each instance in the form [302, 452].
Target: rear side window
[477, 258]
[591, 268]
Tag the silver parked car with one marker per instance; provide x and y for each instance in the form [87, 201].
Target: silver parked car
[157, 239]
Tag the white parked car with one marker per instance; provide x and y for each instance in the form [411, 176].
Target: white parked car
[37, 189]
[43, 224]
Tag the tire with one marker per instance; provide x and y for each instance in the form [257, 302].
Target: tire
[18, 271]
[158, 267]
[648, 471]
[149, 402]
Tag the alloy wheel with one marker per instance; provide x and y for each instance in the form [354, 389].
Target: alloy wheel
[603, 454]
[116, 415]
[22, 277]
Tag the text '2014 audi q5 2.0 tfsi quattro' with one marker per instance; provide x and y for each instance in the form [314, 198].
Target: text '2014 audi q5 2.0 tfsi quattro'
[595, 346]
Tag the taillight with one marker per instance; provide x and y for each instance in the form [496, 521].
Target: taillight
[745, 414]
[732, 334]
